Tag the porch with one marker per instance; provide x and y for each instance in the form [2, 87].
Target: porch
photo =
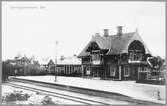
[130, 71]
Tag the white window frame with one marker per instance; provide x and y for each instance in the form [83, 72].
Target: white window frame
[126, 71]
[58, 69]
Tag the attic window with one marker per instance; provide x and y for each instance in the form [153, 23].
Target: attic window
[136, 51]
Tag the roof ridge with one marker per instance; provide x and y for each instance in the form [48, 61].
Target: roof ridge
[123, 33]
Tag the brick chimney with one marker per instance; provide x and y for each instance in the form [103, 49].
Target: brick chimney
[106, 33]
[97, 34]
[62, 58]
[119, 30]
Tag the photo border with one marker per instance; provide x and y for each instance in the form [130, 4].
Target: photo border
[78, 1]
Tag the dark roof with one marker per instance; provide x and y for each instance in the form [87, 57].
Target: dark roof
[114, 43]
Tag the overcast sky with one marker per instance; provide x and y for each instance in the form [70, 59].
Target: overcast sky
[31, 28]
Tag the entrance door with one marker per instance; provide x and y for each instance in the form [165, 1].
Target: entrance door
[134, 70]
[96, 72]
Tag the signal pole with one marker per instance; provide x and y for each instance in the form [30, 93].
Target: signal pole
[56, 43]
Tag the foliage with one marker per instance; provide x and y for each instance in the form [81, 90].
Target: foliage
[7, 70]
[21, 66]
[19, 97]
[15, 96]
[47, 100]
[156, 62]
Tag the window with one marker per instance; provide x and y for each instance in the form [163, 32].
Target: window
[87, 68]
[68, 69]
[75, 68]
[95, 57]
[131, 55]
[58, 69]
[139, 68]
[87, 71]
[135, 55]
[139, 56]
[112, 71]
[62, 69]
[126, 71]
[143, 68]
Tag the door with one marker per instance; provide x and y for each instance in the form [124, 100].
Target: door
[134, 71]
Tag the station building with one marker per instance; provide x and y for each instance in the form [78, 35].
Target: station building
[122, 56]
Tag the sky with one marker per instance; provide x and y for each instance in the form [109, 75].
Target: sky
[32, 28]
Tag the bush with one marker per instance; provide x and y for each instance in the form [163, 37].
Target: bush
[14, 96]
[47, 100]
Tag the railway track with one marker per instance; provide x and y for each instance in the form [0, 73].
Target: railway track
[59, 95]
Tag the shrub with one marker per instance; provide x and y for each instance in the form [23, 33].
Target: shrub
[14, 96]
[47, 100]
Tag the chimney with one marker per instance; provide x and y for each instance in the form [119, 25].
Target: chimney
[62, 58]
[97, 34]
[119, 30]
[106, 34]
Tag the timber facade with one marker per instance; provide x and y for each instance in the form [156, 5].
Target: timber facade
[69, 66]
[119, 57]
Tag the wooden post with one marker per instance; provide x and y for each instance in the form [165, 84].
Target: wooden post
[105, 73]
[93, 72]
[147, 74]
[138, 75]
[119, 72]
[82, 68]
[56, 61]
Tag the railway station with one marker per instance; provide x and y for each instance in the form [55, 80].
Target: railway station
[83, 53]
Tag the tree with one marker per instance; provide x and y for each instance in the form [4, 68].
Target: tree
[156, 63]
[7, 70]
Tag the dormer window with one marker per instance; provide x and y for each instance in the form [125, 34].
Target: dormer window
[135, 55]
[136, 51]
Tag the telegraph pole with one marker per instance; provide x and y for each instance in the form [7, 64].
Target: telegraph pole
[56, 43]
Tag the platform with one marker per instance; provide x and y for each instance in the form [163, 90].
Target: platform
[145, 92]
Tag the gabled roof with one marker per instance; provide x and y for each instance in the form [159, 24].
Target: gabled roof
[114, 43]
[50, 62]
